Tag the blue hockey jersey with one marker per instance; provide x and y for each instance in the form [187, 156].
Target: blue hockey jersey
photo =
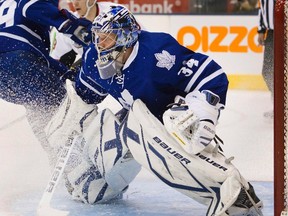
[25, 25]
[158, 69]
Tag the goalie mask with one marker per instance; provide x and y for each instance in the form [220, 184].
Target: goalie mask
[113, 32]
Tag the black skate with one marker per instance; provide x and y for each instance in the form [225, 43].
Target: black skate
[247, 204]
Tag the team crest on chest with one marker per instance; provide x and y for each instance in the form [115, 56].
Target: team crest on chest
[119, 79]
[165, 59]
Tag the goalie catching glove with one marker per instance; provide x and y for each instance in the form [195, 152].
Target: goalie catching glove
[193, 123]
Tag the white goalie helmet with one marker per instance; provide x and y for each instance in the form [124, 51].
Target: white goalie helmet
[118, 26]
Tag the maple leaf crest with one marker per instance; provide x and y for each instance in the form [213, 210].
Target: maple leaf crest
[165, 59]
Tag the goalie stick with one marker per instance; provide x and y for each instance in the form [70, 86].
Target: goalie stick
[11, 123]
[44, 208]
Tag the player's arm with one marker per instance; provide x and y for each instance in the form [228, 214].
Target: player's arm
[46, 12]
[85, 86]
[89, 91]
[261, 28]
[43, 12]
[204, 85]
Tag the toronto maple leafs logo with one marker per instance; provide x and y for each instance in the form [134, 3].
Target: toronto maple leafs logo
[165, 59]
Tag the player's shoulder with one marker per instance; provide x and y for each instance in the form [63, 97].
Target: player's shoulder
[39, 3]
[154, 34]
[155, 42]
[89, 55]
[156, 37]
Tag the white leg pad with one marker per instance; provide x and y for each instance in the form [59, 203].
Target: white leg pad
[86, 184]
[72, 117]
[205, 177]
[106, 151]
[123, 173]
[229, 192]
[102, 168]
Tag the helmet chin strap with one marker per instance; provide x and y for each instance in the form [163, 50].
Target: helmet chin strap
[89, 7]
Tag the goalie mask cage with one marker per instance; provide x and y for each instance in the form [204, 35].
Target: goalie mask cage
[280, 108]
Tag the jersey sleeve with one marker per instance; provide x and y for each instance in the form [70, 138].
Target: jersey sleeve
[90, 93]
[206, 75]
[86, 86]
[187, 71]
[261, 25]
[44, 12]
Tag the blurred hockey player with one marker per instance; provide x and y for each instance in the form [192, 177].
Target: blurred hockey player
[66, 4]
[173, 97]
[63, 48]
[28, 75]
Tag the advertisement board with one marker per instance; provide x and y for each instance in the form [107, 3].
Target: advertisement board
[155, 6]
[211, 7]
[231, 40]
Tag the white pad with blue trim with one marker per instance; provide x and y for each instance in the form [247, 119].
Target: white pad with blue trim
[112, 158]
[105, 167]
[205, 177]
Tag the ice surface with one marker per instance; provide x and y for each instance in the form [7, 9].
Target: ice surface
[24, 170]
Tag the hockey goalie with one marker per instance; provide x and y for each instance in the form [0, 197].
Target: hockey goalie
[102, 167]
[171, 99]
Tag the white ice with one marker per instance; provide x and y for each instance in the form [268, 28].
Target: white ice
[24, 170]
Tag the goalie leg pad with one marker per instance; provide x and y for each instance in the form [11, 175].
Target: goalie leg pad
[72, 115]
[100, 169]
[247, 203]
[205, 177]
[85, 183]
[106, 151]
[123, 172]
